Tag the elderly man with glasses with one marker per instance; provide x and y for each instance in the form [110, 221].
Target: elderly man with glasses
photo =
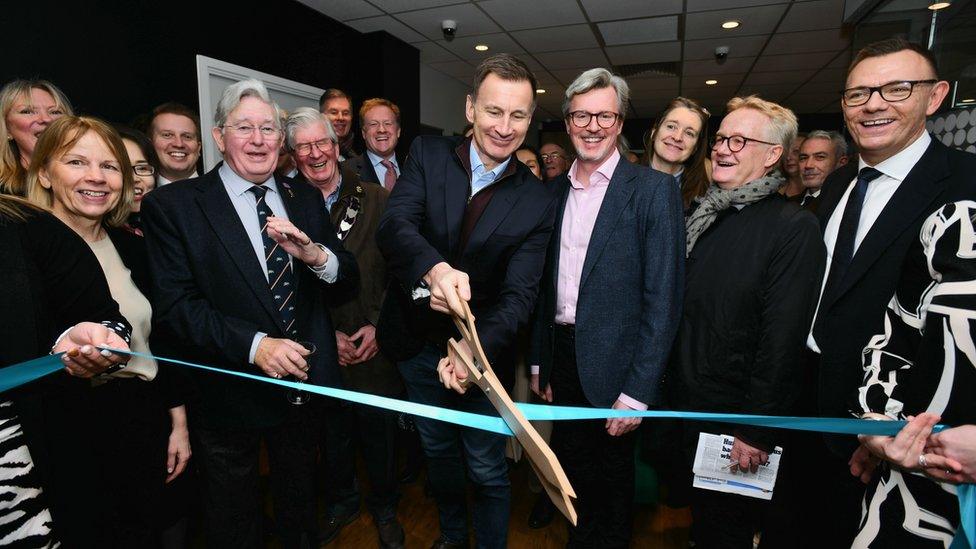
[555, 160]
[243, 263]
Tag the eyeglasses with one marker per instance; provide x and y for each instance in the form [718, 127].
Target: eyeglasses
[735, 142]
[551, 156]
[305, 149]
[375, 124]
[144, 170]
[605, 119]
[245, 131]
[891, 92]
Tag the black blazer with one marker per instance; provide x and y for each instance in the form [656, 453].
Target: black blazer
[630, 291]
[503, 257]
[361, 165]
[210, 292]
[855, 311]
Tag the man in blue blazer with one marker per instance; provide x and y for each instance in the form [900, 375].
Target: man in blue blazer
[468, 221]
[610, 304]
[241, 262]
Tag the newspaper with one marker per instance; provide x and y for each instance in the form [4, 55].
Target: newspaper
[712, 471]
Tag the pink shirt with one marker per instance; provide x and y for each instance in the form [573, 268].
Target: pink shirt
[579, 218]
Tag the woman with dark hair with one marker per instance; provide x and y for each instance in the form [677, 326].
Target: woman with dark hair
[26, 108]
[529, 155]
[52, 285]
[81, 171]
[676, 145]
[145, 164]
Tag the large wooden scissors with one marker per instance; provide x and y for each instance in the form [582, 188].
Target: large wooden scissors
[543, 460]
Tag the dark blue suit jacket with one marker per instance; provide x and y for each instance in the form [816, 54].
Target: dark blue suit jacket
[503, 256]
[630, 292]
[210, 292]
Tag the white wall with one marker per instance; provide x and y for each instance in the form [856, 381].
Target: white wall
[442, 101]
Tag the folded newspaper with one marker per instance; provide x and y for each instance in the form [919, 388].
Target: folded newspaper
[713, 472]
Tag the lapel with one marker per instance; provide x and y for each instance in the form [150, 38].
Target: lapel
[220, 213]
[296, 214]
[506, 194]
[834, 191]
[618, 195]
[562, 187]
[456, 193]
[368, 171]
[912, 199]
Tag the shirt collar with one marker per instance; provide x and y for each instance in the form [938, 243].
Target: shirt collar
[478, 167]
[376, 159]
[605, 171]
[898, 166]
[238, 185]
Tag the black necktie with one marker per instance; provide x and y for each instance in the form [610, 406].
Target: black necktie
[281, 279]
[847, 232]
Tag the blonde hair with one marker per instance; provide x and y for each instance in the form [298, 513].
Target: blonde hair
[12, 174]
[57, 139]
[782, 122]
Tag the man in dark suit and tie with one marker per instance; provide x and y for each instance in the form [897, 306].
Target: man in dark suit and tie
[380, 121]
[821, 153]
[871, 213]
[610, 304]
[466, 221]
[242, 262]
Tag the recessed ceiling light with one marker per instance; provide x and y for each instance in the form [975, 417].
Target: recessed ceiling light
[731, 24]
[481, 47]
[968, 101]
[711, 82]
[939, 5]
[540, 90]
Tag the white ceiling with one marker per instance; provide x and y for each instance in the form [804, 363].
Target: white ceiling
[793, 52]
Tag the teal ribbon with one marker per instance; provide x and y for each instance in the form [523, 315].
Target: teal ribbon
[25, 372]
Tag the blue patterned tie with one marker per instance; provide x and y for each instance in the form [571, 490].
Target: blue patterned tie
[281, 278]
[847, 233]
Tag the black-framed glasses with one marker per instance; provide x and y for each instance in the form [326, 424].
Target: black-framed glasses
[891, 92]
[736, 142]
[305, 149]
[605, 119]
[551, 156]
[245, 131]
[143, 169]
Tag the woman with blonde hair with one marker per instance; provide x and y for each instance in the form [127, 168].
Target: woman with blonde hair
[27, 108]
[81, 171]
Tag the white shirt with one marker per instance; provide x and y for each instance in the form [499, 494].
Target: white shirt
[245, 204]
[160, 180]
[893, 172]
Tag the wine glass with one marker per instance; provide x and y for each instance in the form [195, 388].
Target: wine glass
[297, 396]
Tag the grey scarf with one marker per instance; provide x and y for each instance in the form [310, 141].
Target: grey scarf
[718, 199]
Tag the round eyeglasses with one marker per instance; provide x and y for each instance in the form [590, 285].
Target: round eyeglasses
[605, 119]
[735, 142]
[891, 92]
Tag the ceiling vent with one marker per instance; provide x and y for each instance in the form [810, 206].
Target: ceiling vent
[668, 68]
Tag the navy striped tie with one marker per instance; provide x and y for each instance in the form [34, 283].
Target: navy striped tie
[281, 278]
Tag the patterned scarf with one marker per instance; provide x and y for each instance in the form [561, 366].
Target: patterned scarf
[718, 199]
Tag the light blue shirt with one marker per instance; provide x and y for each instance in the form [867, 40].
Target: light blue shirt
[245, 204]
[378, 166]
[334, 197]
[480, 177]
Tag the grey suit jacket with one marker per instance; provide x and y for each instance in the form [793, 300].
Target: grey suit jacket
[630, 291]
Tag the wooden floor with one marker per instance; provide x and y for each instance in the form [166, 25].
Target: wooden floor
[418, 515]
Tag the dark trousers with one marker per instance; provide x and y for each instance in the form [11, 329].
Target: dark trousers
[443, 443]
[229, 461]
[374, 431]
[599, 466]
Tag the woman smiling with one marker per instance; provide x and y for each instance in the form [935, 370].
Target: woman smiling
[81, 171]
[27, 107]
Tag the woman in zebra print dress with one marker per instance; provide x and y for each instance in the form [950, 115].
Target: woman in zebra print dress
[51, 281]
[902, 506]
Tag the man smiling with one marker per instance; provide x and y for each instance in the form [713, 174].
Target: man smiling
[466, 223]
[175, 134]
[380, 121]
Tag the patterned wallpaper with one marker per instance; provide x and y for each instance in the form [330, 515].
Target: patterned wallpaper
[955, 128]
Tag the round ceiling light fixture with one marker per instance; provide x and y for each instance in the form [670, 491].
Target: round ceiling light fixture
[934, 6]
[481, 47]
[711, 82]
[731, 24]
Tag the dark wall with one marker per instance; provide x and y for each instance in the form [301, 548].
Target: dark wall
[117, 59]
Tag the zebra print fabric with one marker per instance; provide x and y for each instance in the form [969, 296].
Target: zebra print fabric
[25, 520]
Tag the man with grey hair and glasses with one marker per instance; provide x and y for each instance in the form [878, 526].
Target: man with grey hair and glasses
[608, 307]
[821, 153]
[243, 262]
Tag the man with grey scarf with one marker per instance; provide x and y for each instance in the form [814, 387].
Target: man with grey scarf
[752, 272]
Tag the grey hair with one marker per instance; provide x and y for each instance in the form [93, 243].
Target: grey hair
[840, 144]
[594, 79]
[239, 90]
[303, 117]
